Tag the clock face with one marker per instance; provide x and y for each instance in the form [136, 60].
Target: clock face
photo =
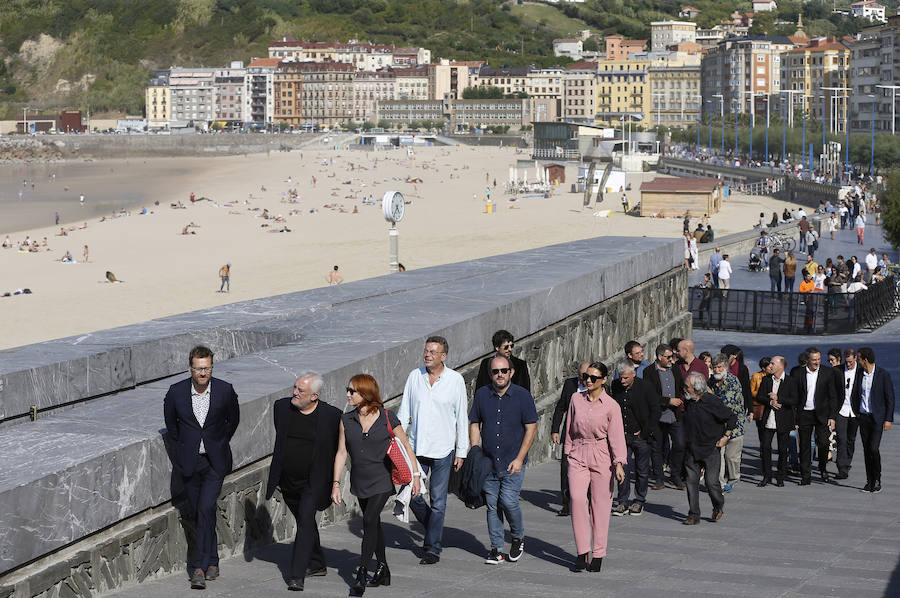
[392, 206]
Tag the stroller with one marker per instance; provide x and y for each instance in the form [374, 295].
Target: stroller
[755, 263]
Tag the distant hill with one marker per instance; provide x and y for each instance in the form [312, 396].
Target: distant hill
[98, 54]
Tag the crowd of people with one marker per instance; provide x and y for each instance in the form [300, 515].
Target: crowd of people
[639, 427]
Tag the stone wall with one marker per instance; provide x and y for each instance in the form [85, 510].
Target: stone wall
[152, 543]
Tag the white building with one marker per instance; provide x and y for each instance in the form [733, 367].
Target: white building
[868, 9]
[669, 33]
[193, 95]
[764, 5]
[568, 47]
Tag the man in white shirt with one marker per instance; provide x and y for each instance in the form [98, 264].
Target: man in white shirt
[871, 264]
[434, 413]
[725, 274]
[846, 423]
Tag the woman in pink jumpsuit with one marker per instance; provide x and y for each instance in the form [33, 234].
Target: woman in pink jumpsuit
[595, 442]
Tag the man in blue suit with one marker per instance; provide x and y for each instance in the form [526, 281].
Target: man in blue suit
[873, 402]
[202, 415]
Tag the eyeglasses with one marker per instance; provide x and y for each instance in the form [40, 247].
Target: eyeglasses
[669, 356]
[351, 391]
[432, 352]
[201, 370]
[507, 346]
[496, 371]
[593, 379]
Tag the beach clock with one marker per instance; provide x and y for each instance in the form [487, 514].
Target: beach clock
[392, 206]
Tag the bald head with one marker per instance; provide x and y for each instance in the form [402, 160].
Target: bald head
[778, 364]
[686, 350]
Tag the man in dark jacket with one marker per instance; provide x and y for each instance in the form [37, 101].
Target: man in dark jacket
[816, 412]
[708, 425]
[778, 392]
[640, 416]
[558, 430]
[503, 347]
[873, 400]
[306, 439]
[667, 383]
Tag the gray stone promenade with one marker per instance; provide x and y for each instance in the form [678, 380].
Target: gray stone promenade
[818, 540]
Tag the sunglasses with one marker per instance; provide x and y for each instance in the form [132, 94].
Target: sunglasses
[593, 379]
[496, 371]
[352, 391]
[507, 346]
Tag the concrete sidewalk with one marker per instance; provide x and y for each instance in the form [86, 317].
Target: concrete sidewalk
[818, 540]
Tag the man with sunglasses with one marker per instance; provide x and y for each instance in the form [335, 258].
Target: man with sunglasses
[503, 344]
[201, 415]
[433, 413]
[668, 384]
[558, 429]
[503, 420]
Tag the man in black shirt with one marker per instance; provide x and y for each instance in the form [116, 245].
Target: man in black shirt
[708, 424]
[306, 438]
[640, 416]
[503, 346]
[775, 270]
[668, 385]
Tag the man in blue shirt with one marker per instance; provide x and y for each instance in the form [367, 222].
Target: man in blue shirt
[503, 420]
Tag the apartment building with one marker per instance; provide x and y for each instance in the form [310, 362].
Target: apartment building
[674, 88]
[448, 79]
[229, 88]
[193, 95]
[369, 88]
[623, 91]
[579, 94]
[868, 9]
[259, 91]
[461, 114]
[327, 93]
[874, 61]
[287, 84]
[509, 81]
[824, 63]
[619, 48]
[569, 47]
[412, 83]
[158, 100]
[362, 55]
[669, 33]
[738, 69]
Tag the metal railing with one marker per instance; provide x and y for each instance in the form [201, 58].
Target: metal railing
[794, 313]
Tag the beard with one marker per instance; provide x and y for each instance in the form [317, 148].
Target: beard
[719, 376]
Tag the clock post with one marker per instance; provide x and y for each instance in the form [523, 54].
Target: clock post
[393, 206]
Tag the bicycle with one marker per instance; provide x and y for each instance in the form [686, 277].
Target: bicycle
[783, 242]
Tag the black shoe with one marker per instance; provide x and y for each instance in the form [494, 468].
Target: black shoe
[876, 487]
[779, 483]
[596, 564]
[867, 487]
[516, 550]
[321, 572]
[429, 559]
[805, 482]
[495, 557]
[825, 476]
[382, 576]
[198, 581]
[295, 585]
[841, 475]
[580, 563]
[716, 513]
[359, 586]
[564, 512]
[764, 482]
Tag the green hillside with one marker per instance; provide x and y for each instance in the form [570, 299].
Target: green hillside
[98, 54]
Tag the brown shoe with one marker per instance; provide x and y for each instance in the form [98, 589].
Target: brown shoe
[716, 514]
[691, 521]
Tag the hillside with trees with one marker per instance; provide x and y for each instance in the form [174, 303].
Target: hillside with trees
[98, 54]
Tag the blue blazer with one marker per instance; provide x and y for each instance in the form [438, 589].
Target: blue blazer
[881, 397]
[185, 432]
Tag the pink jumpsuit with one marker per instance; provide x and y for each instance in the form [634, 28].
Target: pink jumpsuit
[595, 441]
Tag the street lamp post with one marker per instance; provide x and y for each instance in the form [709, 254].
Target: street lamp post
[752, 95]
[768, 100]
[872, 141]
[735, 107]
[846, 121]
[722, 117]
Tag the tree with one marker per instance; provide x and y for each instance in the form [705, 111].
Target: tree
[384, 124]
[368, 125]
[890, 209]
[482, 93]
[591, 45]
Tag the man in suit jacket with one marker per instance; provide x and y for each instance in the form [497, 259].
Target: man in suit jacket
[306, 440]
[558, 430]
[873, 402]
[666, 381]
[503, 343]
[816, 410]
[202, 415]
[778, 392]
[640, 416]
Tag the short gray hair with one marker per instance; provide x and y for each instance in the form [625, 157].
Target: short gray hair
[697, 383]
[315, 382]
[626, 365]
[719, 358]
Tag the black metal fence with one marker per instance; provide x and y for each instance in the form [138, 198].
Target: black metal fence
[794, 313]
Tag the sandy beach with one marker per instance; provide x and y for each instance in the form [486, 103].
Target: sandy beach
[166, 272]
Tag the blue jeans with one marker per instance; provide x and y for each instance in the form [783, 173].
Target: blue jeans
[501, 490]
[775, 282]
[432, 516]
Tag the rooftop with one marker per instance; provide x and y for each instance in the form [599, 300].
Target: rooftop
[676, 185]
